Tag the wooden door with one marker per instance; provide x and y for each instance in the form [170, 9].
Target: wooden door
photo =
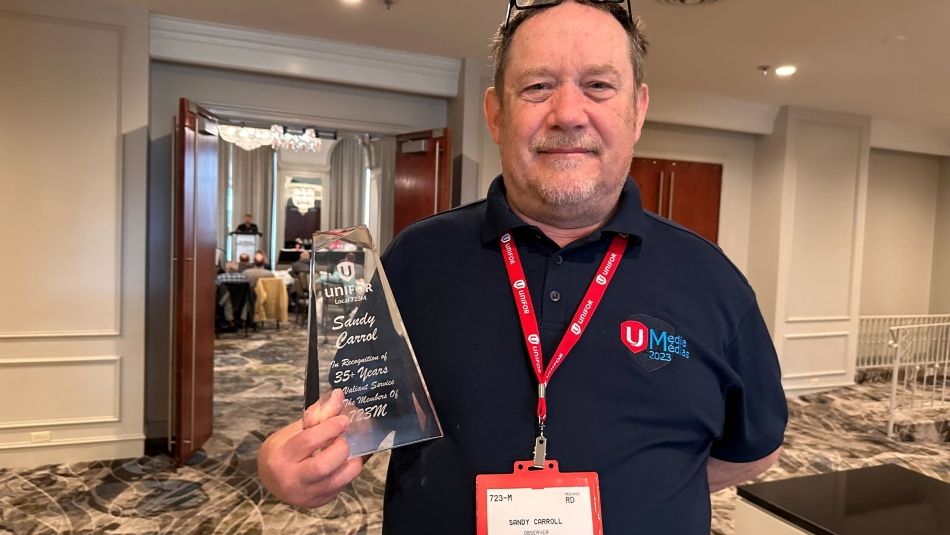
[693, 198]
[196, 170]
[646, 172]
[423, 184]
[685, 192]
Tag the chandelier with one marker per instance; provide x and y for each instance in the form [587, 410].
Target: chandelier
[304, 142]
[278, 137]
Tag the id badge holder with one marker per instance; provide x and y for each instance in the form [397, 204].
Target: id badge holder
[538, 502]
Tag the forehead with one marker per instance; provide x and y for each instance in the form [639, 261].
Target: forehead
[569, 36]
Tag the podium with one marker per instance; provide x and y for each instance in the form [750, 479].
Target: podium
[244, 243]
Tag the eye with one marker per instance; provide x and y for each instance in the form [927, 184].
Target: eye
[599, 89]
[540, 86]
[600, 85]
[537, 91]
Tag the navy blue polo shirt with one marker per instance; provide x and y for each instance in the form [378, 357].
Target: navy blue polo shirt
[675, 366]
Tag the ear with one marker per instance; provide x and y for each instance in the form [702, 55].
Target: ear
[643, 103]
[492, 108]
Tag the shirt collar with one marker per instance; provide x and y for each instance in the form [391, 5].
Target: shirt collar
[499, 218]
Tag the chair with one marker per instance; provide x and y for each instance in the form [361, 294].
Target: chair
[237, 296]
[271, 300]
[301, 294]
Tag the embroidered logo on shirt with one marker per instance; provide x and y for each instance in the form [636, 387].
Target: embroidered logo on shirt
[652, 341]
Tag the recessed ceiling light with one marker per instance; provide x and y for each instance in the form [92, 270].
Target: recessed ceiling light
[785, 70]
[352, 2]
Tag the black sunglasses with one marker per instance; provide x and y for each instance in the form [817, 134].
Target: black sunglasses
[533, 4]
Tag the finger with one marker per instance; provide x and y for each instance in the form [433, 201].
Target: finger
[323, 409]
[330, 488]
[283, 434]
[308, 441]
[333, 406]
[323, 464]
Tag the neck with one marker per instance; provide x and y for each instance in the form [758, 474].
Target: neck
[559, 234]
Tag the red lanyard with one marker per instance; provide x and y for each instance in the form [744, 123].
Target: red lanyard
[529, 320]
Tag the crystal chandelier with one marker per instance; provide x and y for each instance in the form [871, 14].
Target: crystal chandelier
[244, 136]
[304, 142]
[249, 138]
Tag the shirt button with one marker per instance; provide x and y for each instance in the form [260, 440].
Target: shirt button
[558, 259]
[555, 296]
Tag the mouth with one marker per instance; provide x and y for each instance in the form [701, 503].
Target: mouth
[559, 151]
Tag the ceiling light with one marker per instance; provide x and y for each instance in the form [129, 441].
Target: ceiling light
[785, 70]
[277, 137]
[352, 2]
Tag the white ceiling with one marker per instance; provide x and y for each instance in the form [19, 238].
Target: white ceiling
[849, 55]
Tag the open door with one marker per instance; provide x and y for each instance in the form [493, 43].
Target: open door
[195, 187]
[423, 184]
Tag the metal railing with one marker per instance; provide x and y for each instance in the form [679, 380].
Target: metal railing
[874, 336]
[921, 361]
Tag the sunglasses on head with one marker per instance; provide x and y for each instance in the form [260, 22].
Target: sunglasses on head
[533, 4]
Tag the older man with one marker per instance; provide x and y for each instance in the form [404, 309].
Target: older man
[658, 372]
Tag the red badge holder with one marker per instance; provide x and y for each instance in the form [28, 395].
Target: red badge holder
[525, 476]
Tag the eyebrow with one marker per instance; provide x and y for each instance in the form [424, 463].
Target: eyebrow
[594, 70]
[602, 69]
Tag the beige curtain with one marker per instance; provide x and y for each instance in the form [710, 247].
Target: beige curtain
[252, 189]
[384, 161]
[347, 179]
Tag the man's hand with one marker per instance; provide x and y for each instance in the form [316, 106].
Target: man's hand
[306, 462]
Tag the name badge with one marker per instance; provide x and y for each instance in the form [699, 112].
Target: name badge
[538, 502]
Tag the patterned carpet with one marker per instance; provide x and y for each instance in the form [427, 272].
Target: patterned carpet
[259, 387]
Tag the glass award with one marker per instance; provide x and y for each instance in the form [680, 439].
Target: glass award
[357, 343]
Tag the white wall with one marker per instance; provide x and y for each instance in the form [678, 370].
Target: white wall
[807, 241]
[316, 103]
[940, 286]
[72, 321]
[899, 234]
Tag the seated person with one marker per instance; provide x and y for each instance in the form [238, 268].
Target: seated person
[244, 262]
[232, 273]
[260, 261]
[302, 265]
[226, 308]
[253, 273]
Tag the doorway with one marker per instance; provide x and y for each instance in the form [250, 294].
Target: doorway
[319, 180]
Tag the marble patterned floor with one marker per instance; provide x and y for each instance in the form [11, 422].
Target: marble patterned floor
[259, 387]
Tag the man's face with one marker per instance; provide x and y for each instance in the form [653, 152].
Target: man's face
[248, 219]
[566, 120]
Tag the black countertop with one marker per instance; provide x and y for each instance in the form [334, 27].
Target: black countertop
[881, 500]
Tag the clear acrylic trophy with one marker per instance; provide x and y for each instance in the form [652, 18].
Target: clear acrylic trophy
[357, 343]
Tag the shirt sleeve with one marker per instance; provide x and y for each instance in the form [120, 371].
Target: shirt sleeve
[755, 409]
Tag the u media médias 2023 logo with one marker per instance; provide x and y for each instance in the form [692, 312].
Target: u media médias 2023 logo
[652, 341]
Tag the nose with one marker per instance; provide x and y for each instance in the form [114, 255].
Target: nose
[568, 108]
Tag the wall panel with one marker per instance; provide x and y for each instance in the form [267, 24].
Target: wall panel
[828, 159]
[45, 392]
[74, 106]
[66, 86]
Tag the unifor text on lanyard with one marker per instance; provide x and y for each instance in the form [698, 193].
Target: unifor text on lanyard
[538, 496]
[529, 321]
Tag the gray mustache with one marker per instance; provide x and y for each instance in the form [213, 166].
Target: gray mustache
[551, 142]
